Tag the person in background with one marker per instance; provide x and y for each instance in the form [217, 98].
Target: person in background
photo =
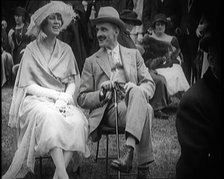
[113, 65]
[161, 98]
[76, 35]
[4, 37]
[18, 39]
[43, 108]
[130, 19]
[190, 12]
[171, 9]
[6, 67]
[137, 31]
[198, 120]
[162, 54]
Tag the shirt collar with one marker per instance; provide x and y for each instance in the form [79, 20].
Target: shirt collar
[115, 50]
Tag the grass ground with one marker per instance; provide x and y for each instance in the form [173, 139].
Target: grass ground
[164, 138]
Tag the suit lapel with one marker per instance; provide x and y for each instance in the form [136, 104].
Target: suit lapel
[103, 62]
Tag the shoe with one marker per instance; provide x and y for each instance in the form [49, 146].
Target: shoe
[161, 115]
[143, 173]
[124, 163]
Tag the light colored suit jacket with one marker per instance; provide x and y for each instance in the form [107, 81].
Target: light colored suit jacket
[97, 70]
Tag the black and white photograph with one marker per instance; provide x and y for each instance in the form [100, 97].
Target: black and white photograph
[111, 89]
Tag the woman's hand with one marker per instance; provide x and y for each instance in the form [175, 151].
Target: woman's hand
[67, 98]
[61, 105]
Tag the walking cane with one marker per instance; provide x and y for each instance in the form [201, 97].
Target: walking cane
[116, 123]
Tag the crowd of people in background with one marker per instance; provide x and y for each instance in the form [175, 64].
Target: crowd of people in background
[184, 21]
[185, 24]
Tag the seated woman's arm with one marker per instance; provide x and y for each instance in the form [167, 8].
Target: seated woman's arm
[37, 90]
[70, 89]
[66, 96]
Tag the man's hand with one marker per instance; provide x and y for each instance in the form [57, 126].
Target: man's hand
[105, 95]
[128, 86]
[106, 90]
[107, 85]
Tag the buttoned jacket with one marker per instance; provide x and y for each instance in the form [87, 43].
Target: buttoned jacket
[97, 70]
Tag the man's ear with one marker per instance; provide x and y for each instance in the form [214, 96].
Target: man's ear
[117, 30]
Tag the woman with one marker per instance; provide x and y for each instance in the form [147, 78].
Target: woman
[163, 55]
[6, 66]
[17, 35]
[43, 108]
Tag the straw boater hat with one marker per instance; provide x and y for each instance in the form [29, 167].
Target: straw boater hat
[109, 14]
[129, 16]
[42, 13]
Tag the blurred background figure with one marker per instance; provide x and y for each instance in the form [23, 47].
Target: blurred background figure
[199, 117]
[6, 67]
[130, 19]
[170, 9]
[18, 39]
[162, 54]
[4, 36]
[190, 12]
[160, 99]
[198, 121]
[137, 31]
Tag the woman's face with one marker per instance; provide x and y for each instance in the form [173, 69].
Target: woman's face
[18, 19]
[53, 25]
[160, 27]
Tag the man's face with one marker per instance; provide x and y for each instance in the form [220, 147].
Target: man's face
[107, 35]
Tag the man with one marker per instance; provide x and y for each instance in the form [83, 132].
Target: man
[198, 120]
[190, 12]
[161, 98]
[100, 73]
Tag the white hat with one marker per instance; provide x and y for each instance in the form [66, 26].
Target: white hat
[42, 13]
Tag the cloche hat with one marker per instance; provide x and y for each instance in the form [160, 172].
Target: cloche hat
[159, 17]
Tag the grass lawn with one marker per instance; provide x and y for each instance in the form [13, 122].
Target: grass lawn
[164, 138]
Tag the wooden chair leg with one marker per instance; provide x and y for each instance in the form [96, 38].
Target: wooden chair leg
[97, 151]
[40, 167]
[107, 156]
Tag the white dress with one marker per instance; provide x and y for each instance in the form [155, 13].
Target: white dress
[41, 125]
[175, 77]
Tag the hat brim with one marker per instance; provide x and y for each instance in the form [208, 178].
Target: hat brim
[161, 20]
[112, 20]
[132, 20]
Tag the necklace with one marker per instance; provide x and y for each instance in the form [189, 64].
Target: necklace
[19, 36]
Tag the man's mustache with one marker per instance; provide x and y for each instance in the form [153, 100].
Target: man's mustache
[101, 37]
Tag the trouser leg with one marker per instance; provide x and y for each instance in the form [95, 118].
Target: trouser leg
[136, 116]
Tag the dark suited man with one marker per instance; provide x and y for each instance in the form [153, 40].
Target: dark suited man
[126, 67]
[189, 17]
[198, 120]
